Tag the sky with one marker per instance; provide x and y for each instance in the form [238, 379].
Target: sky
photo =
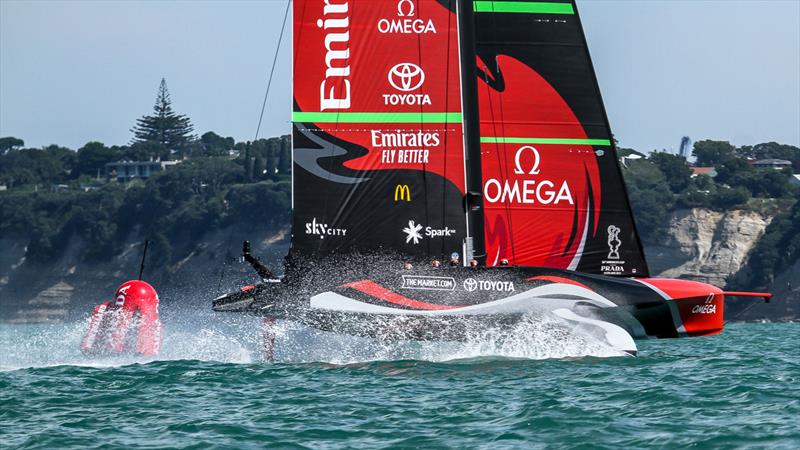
[78, 71]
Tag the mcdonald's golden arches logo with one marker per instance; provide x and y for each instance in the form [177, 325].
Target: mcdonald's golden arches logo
[402, 192]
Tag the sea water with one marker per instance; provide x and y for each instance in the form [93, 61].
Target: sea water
[545, 388]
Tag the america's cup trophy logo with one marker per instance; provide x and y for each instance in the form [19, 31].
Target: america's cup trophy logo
[613, 242]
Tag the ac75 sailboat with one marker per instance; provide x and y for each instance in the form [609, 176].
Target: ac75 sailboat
[425, 129]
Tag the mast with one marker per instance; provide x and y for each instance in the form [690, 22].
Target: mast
[473, 199]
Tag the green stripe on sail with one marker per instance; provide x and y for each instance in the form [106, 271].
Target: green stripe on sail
[376, 117]
[523, 7]
[537, 140]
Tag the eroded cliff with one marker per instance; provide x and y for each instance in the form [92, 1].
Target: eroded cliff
[705, 245]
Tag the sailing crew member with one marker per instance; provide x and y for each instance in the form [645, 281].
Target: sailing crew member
[454, 261]
[503, 262]
[473, 263]
[436, 263]
[407, 266]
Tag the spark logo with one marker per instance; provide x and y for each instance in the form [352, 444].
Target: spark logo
[412, 232]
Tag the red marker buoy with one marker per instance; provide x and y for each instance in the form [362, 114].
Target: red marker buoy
[127, 324]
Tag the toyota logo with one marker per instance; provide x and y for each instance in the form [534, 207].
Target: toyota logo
[470, 284]
[406, 77]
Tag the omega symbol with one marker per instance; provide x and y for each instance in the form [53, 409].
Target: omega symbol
[518, 161]
[400, 6]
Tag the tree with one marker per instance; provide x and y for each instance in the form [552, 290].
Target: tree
[144, 151]
[709, 153]
[674, 168]
[727, 198]
[215, 145]
[10, 143]
[48, 165]
[729, 168]
[92, 158]
[165, 126]
[285, 157]
[650, 198]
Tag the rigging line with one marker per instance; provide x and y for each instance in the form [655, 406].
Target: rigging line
[739, 314]
[272, 70]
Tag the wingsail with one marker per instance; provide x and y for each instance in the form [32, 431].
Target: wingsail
[378, 148]
[552, 190]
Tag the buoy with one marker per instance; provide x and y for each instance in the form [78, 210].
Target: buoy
[127, 324]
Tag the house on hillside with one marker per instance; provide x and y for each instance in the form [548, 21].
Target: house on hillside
[771, 163]
[710, 171]
[125, 171]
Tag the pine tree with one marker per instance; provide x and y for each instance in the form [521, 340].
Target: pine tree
[164, 127]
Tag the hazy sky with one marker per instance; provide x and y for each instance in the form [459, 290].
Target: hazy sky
[77, 71]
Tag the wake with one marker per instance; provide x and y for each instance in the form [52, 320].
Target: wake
[236, 339]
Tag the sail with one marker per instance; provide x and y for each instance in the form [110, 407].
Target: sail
[378, 155]
[553, 193]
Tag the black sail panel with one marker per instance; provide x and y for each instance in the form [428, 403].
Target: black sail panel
[552, 188]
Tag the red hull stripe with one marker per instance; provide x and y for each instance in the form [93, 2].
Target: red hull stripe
[376, 290]
[558, 280]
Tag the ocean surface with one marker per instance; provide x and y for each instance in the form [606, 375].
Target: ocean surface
[547, 387]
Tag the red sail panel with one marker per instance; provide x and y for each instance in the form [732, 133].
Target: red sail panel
[377, 127]
[552, 190]
[538, 197]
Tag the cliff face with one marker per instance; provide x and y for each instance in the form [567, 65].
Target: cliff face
[705, 245]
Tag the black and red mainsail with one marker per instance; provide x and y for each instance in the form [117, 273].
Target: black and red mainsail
[381, 113]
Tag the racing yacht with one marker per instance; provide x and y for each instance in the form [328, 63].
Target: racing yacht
[463, 131]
